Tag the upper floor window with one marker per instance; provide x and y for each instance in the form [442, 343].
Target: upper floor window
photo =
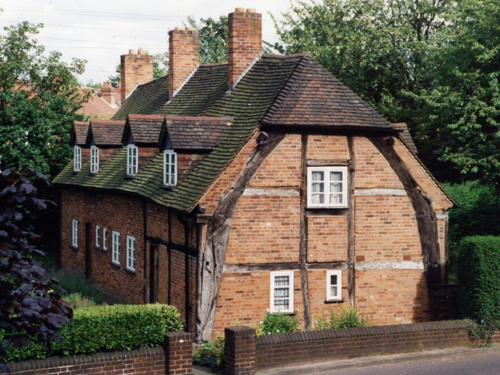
[282, 291]
[132, 160]
[94, 159]
[334, 285]
[169, 168]
[77, 158]
[97, 228]
[74, 233]
[130, 253]
[115, 248]
[327, 187]
[104, 239]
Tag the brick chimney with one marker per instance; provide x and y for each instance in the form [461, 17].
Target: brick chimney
[108, 93]
[245, 41]
[135, 69]
[184, 57]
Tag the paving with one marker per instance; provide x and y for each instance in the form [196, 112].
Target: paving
[326, 367]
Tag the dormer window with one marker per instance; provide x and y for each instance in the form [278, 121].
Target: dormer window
[77, 159]
[169, 168]
[132, 160]
[94, 159]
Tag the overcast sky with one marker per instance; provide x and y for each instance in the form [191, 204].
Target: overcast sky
[99, 31]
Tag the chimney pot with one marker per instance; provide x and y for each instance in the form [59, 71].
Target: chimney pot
[240, 10]
[142, 51]
[251, 10]
[178, 28]
[131, 51]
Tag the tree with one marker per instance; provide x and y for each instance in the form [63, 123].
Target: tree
[213, 38]
[39, 99]
[30, 312]
[377, 48]
[460, 117]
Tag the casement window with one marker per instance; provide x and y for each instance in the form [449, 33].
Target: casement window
[282, 291]
[169, 168]
[115, 248]
[77, 159]
[334, 285]
[94, 159]
[130, 253]
[327, 187]
[132, 160]
[97, 228]
[74, 233]
[104, 239]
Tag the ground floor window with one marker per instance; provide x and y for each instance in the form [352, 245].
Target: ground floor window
[282, 291]
[334, 285]
[115, 252]
[130, 253]
[104, 239]
[74, 233]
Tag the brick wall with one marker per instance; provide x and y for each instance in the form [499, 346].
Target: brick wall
[282, 350]
[175, 359]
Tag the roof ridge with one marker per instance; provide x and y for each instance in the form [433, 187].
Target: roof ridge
[284, 90]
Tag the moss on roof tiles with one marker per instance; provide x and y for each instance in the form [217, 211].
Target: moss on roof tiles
[205, 95]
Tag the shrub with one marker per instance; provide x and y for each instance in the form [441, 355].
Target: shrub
[77, 301]
[105, 328]
[478, 271]
[348, 317]
[211, 354]
[279, 323]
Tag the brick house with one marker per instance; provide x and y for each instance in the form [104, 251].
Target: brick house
[258, 184]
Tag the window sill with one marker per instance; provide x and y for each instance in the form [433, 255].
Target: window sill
[92, 174]
[104, 249]
[294, 313]
[72, 247]
[326, 208]
[167, 187]
[115, 265]
[129, 270]
[129, 177]
[96, 247]
[75, 173]
[334, 301]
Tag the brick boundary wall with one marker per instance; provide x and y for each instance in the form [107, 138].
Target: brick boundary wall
[288, 349]
[174, 359]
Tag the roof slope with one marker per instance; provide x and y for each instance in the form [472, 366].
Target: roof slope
[105, 133]
[144, 129]
[196, 133]
[79, 133]
[314, 97]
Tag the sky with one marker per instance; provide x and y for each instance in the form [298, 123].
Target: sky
[99, 31]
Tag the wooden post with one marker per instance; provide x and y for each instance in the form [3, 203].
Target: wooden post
[351, 272]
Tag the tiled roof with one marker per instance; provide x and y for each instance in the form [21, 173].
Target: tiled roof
[98, 108]
[405, 136]
[79, 133]
[314, 97]
[145, 99]
[105, 133]
[198, 133]
[144, 129]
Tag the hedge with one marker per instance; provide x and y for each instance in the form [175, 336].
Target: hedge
[106, 328]
[478, 271]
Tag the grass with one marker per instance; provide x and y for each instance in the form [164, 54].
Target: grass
[75, 290]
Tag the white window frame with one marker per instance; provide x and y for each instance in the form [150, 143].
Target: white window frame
[97, 236]
[132, 160]
[273, 308]
[104, 239]
[94, 159]
[326, 191]
[77, 158]
[329, 294]
[115, 252]
[130, 253]
[169, 161]
[74, 233]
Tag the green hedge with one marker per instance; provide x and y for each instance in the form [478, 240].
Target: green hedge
[478, 271]
[106, 328]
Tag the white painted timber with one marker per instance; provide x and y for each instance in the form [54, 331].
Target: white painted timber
[397, 192]
[273, 192]
[405, 265]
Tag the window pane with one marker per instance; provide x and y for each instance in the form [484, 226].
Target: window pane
[317, 176]
[318, 187]
[335, 176]
[281, 304]
[333, 279]
[281, 292]
[281, 281]
[333, 291]
[318, 198]
[336, 199]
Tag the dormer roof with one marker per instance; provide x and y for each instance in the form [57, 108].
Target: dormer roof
[105, 133]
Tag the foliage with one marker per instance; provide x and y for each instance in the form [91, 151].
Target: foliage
[484, 330]
[478, 271]
[347, 317]
[39, 99]
[29, 308]
[211, 354]
[160, 65]
[105, 328]
[213, 38]
[279, 323]
[78, 301]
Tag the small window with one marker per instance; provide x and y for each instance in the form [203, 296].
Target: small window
[334, 285]
[130, 253]
[169, 168]
[104, 239]
[74, 233]
[282, 291]
[77, 159]
[132, 160]
[97, 228]
[327, 187]
[115, 253]
[94, 159]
